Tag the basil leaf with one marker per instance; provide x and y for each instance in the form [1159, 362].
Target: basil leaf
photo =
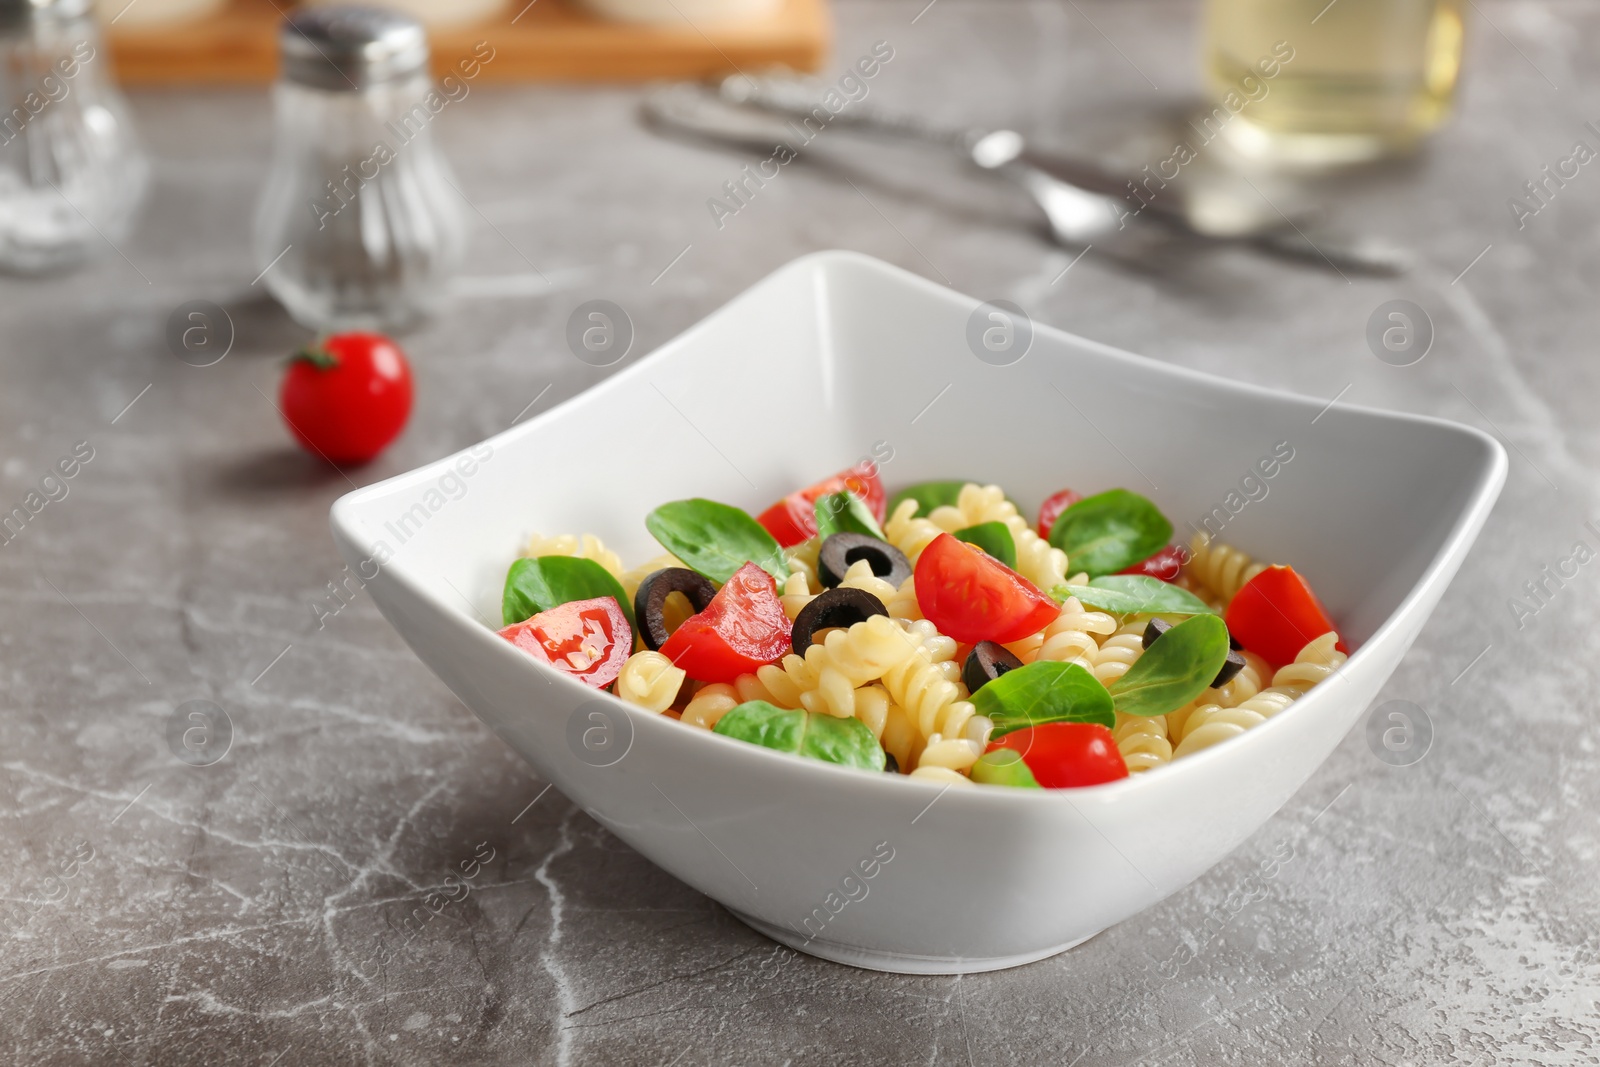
[1110, 531]
[1044, 692]
[1177, 667]
[1135, 594]
[928, 495]
[844, 512]
[994, 538]
[715, 539]
[1004, 766]
[804, 733]
[545, 582]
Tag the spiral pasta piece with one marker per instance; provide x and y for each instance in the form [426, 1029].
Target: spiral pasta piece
[803, 558]
[953, 754]
[1142, 740]
[1210, 724]
[860, 576]
[1314, 663]
[1247, 683]
[909, 533]
[903, 605]
[1220, 568]
[583, 546]
[1120, 651]
[649, 680]
[1071, 637]
[848, 659]
[710, 704]
[796, 594]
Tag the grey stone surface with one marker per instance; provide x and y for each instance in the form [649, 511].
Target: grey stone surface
[1442, 912]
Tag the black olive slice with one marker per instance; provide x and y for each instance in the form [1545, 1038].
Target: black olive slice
[842, 549]
[1233, 642]
[1230, 667]
[986, 662]
[651, 598]
[834, 607]
[1154, 629]
[890, 764]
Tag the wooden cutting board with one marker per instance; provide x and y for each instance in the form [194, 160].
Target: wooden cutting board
[547, 41]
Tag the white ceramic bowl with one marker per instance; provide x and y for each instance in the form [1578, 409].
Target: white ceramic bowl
[800, 376]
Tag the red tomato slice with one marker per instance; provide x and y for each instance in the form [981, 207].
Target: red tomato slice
[1276, 614]
[794, 518]
[588, 639]
[742, 628]
[1164, 564]
[973, 597]
[1053, 506]
[1063, 755]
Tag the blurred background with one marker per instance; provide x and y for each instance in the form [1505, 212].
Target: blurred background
[1382, 202]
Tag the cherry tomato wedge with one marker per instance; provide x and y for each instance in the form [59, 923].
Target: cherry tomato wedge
[794, 519]
[1276, 614]
[1064, 755]
[1053, 506]
[742, 628]
[974, 597]
[347, 396]
[588, 639]
[1164, 564]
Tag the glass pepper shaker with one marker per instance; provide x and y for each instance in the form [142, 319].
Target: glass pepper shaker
[359, 225]
[71, 174]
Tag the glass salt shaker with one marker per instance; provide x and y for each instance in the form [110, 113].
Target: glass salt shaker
[71, 174]
[359, 225]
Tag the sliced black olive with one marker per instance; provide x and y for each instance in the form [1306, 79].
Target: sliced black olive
[1154, 629]
[890, 764]
[833, 607]
[1230, 667]
[986, 662]
[651, 598]
[1233, 642]
[842, 549]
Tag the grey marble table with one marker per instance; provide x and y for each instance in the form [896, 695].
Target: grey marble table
[1442, 912]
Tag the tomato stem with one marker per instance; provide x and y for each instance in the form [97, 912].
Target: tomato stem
[317, 355]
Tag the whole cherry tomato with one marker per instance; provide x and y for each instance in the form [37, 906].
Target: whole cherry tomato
[971, 596]
[588, 639]
[1053, 506]
[1276, 614]
[1164, 564]
[742, 628]
[794, 518]
[347, 396]
[1063, 755]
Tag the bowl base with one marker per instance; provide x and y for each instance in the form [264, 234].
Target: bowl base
[894, 962]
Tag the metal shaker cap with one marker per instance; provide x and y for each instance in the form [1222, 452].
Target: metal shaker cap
[346, 49]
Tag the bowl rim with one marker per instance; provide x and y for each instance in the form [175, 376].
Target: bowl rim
[344, 519]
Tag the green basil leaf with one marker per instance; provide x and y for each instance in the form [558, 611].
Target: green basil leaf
[1177, 667]
[715, 539]
[844, 512]
[994, 538]
[1004, 766]
[1110, 531]
[545, 582]
[1044, 692]
[928, 495]
[1135, 594]
[804, 733]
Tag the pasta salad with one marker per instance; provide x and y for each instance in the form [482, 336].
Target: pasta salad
[937, 634]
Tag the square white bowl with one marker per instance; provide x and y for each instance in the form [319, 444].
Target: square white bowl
[803, 375]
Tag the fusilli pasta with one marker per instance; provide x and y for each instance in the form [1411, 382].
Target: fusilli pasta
[1120, 651]
[1142, 740]
[1220, 568]
[650, 681]
[584, 546]
[909, 533]
[1210, 724]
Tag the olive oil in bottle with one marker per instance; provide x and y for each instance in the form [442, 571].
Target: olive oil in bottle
[1368, 78]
